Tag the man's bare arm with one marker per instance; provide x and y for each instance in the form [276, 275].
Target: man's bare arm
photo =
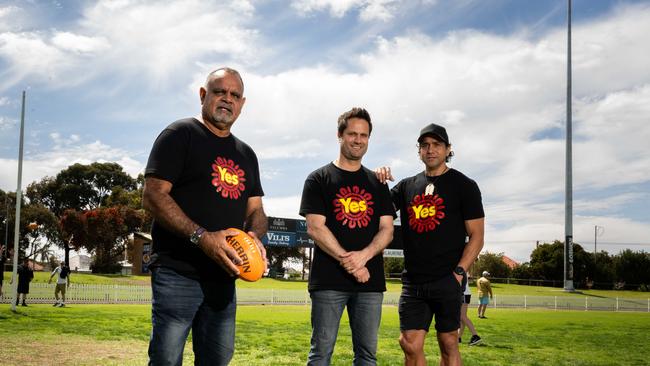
[322, 236]
[157, 200]
[475, 230]
[355, 260]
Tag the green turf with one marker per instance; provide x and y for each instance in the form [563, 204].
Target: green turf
[279, 335]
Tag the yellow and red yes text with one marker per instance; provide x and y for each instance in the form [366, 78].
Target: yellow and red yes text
[353, 207]
[228, 178]
[425, 212]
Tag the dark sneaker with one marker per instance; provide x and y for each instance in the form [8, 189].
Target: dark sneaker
[24, 304]
[62, 305]
[475, 340]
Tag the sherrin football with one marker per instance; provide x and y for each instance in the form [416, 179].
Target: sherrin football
[253, 266]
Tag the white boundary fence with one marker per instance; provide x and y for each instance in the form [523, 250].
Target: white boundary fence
[131, 294]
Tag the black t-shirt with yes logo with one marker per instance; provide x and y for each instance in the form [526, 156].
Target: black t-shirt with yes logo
[352, 203]
[213, 178]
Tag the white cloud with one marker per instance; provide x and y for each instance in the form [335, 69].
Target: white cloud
[79, 44]
[282, 206]
[126, 38]
[369, 10]
[67, 151]
[7, 123]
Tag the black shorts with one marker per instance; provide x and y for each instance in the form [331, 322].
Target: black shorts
[467, 299]
[420, 302]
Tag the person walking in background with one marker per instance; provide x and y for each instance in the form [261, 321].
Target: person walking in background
[25, 276]
[200, 180]
[350, 218]
[484, 293]
[62, 282]
[439, 208]
[465, 320]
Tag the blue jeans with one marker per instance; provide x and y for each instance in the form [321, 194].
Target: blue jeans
[180, 303]
[364, 312]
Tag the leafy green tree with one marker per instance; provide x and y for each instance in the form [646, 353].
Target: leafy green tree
[393, 265]
[32, 243]
[523, 271]
[547, 261]
[103, 232]
[491, 262]
[82, 188]
[632, 267]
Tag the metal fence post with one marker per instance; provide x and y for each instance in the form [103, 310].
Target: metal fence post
[525, 302]
[555, 302]
[586, 304]
[617, 304]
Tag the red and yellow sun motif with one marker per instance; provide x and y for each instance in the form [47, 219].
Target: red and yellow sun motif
[353, 207]
[228, 178]
[425, 212]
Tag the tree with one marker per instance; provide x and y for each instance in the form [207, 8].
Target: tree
[32, 243]
[278, 255]
[523, 271]
[103, 232]
[547, 262]
[632, 267]
[492, 263]
[82, 188]
[37, 243]
[393, 265]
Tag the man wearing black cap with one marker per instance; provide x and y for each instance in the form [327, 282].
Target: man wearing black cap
[442, 231]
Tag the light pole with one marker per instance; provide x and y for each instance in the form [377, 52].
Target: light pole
[18, 199]
[568, 201]
[598, 231]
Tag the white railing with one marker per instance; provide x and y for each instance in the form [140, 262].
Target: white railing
[131, 294]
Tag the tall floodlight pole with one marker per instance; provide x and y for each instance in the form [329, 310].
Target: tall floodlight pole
[568, 202]
[18, 199]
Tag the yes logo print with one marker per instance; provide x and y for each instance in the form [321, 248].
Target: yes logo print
[425, 212]
[353, 207]
[228, 178]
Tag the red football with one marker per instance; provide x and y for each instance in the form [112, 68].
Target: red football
[253, 266]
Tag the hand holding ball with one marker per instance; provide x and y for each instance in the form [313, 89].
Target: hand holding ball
[252, 267]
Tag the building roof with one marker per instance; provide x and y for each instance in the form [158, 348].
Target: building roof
[511, 263]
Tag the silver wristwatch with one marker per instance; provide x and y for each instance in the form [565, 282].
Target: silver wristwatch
[196, 236]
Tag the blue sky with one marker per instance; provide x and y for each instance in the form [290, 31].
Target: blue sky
[104, 77]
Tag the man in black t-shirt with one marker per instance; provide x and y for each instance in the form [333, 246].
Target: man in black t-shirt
[350, 217]
[25, 276]
[200, 181]
[442, 231]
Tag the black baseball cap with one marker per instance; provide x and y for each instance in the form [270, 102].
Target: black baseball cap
[436, 131]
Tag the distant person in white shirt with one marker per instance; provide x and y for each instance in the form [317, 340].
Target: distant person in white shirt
[61, 283]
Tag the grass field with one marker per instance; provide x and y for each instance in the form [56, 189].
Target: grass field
[279, 335]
